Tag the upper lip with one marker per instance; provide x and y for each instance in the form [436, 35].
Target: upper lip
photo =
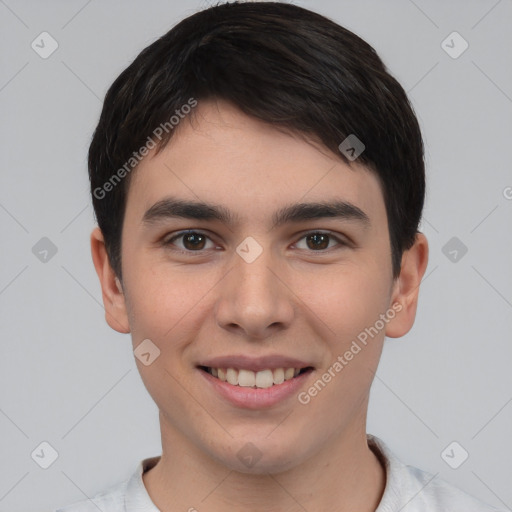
[255, 364]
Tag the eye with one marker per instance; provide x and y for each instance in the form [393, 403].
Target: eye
[319, 240]
[193, 241]
[196, 241]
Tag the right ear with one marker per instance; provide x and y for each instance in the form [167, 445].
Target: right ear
[112, 291]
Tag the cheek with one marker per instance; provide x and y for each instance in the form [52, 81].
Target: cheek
[163, 305]
[350, 304]
[163, 301]
[345, 301]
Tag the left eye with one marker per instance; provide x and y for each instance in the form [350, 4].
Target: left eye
[195, 241]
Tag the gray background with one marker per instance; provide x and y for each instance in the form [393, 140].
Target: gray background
[68, 379]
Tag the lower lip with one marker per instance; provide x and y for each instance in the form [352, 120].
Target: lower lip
[256, 398]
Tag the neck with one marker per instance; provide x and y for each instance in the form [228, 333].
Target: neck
[344, 476]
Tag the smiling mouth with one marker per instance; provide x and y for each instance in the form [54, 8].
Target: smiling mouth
[262, 379]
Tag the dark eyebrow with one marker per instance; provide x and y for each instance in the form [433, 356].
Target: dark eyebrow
[299, 212]
[306, 211]
[171, 207]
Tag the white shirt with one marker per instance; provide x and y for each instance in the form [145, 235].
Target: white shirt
[407, 489]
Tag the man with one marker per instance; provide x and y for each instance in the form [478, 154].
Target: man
[258, 181]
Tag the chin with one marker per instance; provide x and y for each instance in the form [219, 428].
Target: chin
[259, 455]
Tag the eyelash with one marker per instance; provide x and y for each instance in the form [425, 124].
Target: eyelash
[169, 241]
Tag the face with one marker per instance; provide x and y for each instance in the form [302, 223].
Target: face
[256, 284]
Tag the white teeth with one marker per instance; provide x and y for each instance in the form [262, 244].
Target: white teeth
[264, 379]
[232, 376]
[278, 376]
[247, 378]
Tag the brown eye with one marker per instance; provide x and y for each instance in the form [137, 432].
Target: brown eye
[318, 241]
[191, 241]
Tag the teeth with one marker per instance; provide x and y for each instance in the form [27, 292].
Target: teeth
[232, 376]
[264, 379]
[278, 376]
[289, 373]
[247, 378]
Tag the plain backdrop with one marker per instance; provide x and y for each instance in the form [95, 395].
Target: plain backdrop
[68, 380]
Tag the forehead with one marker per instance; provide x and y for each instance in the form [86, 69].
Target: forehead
[222, 156]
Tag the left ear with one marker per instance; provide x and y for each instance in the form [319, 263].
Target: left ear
[407, 287]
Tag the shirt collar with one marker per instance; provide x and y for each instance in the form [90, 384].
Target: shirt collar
[137, 498]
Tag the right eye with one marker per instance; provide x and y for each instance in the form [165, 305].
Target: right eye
[192, 241]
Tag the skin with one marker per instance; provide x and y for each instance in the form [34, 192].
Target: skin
[293, 300]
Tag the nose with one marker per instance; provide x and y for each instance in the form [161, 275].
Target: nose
[255, 300]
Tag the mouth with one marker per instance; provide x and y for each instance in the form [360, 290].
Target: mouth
[262, 379]
[256, 383]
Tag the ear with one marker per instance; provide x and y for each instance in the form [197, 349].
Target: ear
[112, 291]
[407, 286]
